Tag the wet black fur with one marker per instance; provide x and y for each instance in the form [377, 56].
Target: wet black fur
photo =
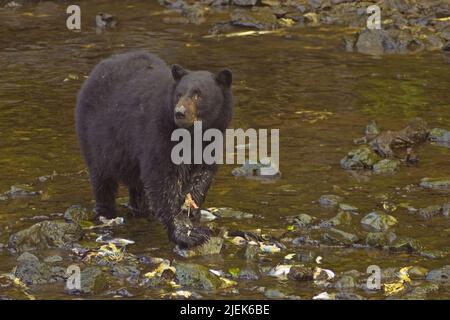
[124, 121]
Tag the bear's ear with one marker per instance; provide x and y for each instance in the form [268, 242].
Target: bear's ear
[178, 72]
[225, 78]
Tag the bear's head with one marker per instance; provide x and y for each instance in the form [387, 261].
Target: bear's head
[201, 96]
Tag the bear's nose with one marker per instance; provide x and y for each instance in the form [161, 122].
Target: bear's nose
[180, 112]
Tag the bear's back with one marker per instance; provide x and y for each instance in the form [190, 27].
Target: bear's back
[129, 81]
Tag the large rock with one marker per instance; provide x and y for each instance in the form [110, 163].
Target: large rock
[346, 282]
[375, 42]
[440, 275]
[256, 18]
[360, 158]
[386, 166]
[340, 237]
[341, 218]
[76, 214]
[379, 239]
[301, 273]
[440, 136]
[304, 220]
[405, 244]
[196, 276]
[378, 221]
[212, 246]
[330, 200]
[31, 271]
[92, 281]
[46, 234]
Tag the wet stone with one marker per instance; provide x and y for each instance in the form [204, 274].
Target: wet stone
[347, 207]
[274, 294]
[256, 18]
[433, 254]
[342, 218]
[446, 209]
[405, 244]
[379, 239]
[346, 282]
[251, 252]
[300, 273]
[45, 234]
[348, 296]
[435, 183]
[125, 271]
[27, 257]
[304, 220]
[195, 276]
[75, 214]
[378, 221]
[386, 166]
[441, 275]
[375, 42]
[31, 271]
[306, 257]
[248, 275]
[430, 212]
[340, 237]
[92, 281]
[389, 274]
[439, 136]
[330, 200]
[417, 272]
[371, 130]
[360, 158]
[53, 259]
[244, 3]
[22, 190]
[212, 246]
[421, 292]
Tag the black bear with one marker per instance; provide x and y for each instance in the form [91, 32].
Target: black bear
[126, 112]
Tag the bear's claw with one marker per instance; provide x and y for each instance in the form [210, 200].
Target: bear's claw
[188, 236]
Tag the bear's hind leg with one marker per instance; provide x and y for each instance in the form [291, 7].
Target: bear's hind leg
[137, 202]
[105, 191]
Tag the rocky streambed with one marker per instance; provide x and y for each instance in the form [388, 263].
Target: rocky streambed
[311, 232]
[407, 26]
[78, 258]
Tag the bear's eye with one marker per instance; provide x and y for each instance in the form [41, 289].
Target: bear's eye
[196, 95]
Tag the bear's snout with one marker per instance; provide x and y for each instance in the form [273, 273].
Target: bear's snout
[185, 112]
[180, 112]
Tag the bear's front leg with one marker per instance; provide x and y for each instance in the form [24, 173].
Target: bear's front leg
[201, 180]
[169, 199]
[185, 234]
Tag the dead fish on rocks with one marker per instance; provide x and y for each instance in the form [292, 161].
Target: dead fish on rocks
[22, 190]
[108, 254]
[108, 222]
[228, 213]
[120, 242]
[206, 215]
